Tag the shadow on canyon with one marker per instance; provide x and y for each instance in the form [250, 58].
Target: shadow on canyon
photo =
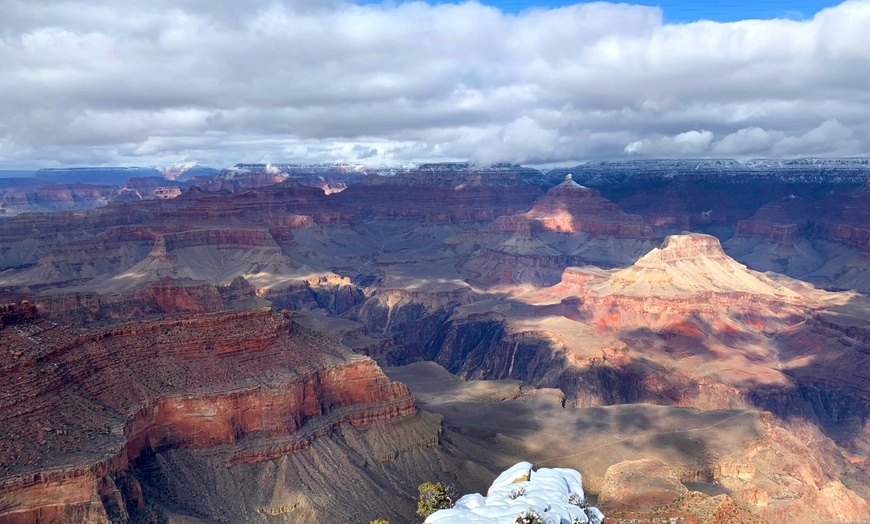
[825, 392]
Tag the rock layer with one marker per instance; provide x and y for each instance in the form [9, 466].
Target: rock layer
[97, 401]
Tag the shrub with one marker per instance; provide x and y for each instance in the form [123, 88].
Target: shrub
[577, 500]
[528, 517]
[518, 492]
[380, 521]
[432, 498]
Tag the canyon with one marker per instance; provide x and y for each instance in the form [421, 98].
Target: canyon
[287, 343]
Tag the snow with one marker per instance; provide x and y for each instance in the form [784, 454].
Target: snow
[549, 492]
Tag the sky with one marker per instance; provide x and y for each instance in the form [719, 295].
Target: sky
[215, 82]
[677, 11]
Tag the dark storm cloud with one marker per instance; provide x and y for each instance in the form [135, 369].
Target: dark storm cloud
[166, 81]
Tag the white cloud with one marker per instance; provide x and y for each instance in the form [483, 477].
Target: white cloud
[830, 138]
[688, 144]
[746, 142]
[222, 81]
[518, 141]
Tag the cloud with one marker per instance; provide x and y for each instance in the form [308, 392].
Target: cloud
[830, 138]
[749, 141]
[517, 141]
[688, 144]
[140, 82]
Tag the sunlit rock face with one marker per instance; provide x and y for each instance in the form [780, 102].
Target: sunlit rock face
[573, 208]
[555, 495]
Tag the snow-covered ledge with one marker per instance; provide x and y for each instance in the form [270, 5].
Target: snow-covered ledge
[555, 495]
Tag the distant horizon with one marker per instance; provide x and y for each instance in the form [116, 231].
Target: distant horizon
[33, 170]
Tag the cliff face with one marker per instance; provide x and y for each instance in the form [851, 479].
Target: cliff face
[824, 242]
[330, 292]
[441, 195]
[685, 325]
[570, 225]
[686, 301]
[40, 196]
[98, 401]
[572, 208]
[158, 298]
[476, 269]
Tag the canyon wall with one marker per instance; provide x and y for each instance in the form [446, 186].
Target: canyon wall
[97, 402]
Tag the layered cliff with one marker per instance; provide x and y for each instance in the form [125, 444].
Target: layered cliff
[79, 409]
[570, 225]
[441, 193]
[824, 242]
[571, 208]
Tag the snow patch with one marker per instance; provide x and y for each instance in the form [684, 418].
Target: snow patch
[554, 494]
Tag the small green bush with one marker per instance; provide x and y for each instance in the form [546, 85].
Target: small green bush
[432, 498]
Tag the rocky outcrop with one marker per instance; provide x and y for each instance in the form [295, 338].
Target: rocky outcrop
[639, 485]
[441, 193]
[159, 298]
[330, 178]
[781, 221]
[846, 220]
[20, 310]
[147, 188]
[260, 206]
[689, 279]
[391, 310]
[331, 292]
[98, 401]
[570, 225]
[572, 208]
[46, 197]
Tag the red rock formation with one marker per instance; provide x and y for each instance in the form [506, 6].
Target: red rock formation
[572, 208]
[570, 225]
[847, 220]
[691, 508]
[14, 312]
[165, 296]
[638, 485]
[96, 400]
[441, 194]
[782, 221]
[690, 275]
[266, 205]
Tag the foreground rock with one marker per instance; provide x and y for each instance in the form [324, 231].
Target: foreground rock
[555, 495]
[82, 412]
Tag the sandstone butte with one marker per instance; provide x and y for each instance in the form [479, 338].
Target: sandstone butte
[78, 407]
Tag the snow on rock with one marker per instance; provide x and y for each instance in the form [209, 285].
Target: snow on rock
[554, 494]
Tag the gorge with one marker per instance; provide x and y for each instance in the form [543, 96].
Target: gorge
[311, 345]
